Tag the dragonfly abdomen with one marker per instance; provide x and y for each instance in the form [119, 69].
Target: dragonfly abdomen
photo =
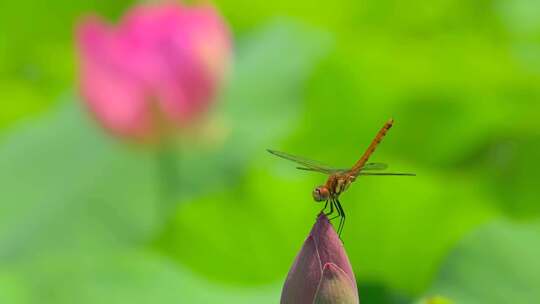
[376, 141]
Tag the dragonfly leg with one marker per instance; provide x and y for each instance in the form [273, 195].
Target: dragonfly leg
[342, 220]
[324, 208]
[337, 209]
[331, 208]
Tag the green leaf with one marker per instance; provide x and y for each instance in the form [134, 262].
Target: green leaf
[272, 66]
[37, 56]
[435, 300]
[496, 264]
[118, 276]
[66, 184]
[13, 289]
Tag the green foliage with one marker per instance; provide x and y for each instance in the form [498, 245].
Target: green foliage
[496, 264]
[72, 186]
[90, 193]
[116, 276]
[82, 218]
[36, 52]
[435, 300]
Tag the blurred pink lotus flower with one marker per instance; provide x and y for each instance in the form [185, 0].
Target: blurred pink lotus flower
[321, 272]
[156, 72]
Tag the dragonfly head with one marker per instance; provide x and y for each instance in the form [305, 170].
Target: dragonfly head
[321, 193]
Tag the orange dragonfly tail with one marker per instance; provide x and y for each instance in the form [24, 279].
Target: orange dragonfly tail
[376, 141]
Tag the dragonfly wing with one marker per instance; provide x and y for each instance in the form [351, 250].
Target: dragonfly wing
[381, 166]
[307, 164]
[374, 166]
[387, 173]
[329, 171]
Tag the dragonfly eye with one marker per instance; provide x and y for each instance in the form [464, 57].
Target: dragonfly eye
[319, 195]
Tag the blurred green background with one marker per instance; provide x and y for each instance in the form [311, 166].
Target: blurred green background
[81, 219]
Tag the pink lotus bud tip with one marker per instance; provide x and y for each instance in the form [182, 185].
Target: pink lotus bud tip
[321, 272]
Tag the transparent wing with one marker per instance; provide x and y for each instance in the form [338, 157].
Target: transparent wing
[374, 166]
[328, 171]
[369, 166]
[387, 173]
[307, 164]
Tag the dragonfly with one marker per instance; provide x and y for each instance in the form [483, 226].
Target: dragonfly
[339, 180]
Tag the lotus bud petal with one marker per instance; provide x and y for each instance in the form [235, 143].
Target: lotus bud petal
[321, 272]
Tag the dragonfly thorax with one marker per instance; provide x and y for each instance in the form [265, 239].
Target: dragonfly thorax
[321, 193]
